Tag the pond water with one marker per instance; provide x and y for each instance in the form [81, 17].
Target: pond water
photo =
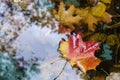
[42, 43]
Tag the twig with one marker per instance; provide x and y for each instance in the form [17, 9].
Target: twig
[114, 25]
[56, 60]
[116, 54]
[105, 71]
[115, 15]
[61, 71]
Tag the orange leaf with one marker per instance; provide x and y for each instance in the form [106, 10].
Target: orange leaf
[80, 53]
[88, 63]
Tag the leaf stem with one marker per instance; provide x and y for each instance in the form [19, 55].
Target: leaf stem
[114, 25]
[104, 71]
[115, 15]
[56, 60]
[61, 71]
[116, 53]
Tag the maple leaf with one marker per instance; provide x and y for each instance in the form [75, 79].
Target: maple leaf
[66, 17]
[79, 53]
[88, 18]
[107, 17]
[93, 15]
[106, 1]
[98, 10]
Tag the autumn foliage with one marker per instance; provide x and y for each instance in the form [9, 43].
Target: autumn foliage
[90, 16]
[79, 53]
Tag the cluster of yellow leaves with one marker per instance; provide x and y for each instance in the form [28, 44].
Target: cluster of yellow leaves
[90, 15]
[112, 39]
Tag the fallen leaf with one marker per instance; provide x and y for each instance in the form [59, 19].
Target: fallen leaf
[66, 17]
[98, 10]
[107, 17]
[107, 53]
[79, 53]
[89, 16]
[93, 15]
[106, 1]
[98, 78]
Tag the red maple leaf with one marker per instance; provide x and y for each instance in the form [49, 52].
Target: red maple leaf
[79, 53]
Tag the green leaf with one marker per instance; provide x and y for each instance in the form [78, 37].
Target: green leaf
[112, 40]
[106, 55]
[9, 70]
[69, 2]
[42, 4]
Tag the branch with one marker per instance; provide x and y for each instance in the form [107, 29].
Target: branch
[61, 71]
[114, 26]
[105, 71]
[115, 15]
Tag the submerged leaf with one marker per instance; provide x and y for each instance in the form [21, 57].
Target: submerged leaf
[112, 40]
[102, 37]
[107, 52]
[72, 2]
[79, 53]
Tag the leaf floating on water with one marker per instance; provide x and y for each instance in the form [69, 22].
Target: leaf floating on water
[79, 53]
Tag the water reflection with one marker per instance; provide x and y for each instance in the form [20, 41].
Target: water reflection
[42, 43]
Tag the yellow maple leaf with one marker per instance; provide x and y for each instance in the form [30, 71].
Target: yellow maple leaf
[107, 17]
[88, 18]
[89, 15]
[98, 10]
[106, 1]
[92, 16]
[66, 17]
[91, 21]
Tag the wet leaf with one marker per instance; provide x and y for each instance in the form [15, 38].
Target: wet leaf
[88, 18]
[98, 78]
[72, 2]
[102, 37]
[66, 17]
[92, 16]
[107, 53]
[106, 1]
[79, 53]
[107, 17]
[98, 10]
[112, 40]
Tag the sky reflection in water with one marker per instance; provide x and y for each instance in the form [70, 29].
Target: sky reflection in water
[43, 43]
